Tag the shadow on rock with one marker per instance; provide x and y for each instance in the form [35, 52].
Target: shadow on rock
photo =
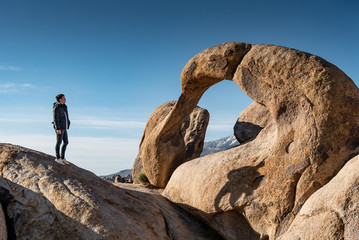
[241, 183]
[246, 131]
[181, 223]
[237, 226]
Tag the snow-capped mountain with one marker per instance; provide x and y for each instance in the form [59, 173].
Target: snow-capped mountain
[219, 145]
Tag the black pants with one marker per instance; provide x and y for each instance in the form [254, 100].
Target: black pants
[61, 138]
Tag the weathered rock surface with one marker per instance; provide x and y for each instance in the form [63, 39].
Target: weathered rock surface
[332, 212]
[163, 147]
[3, 230]
[190, 136]
[313, 130]
[250, 122]
[51, 201]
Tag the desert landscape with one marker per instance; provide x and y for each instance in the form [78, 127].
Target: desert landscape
[293, 176]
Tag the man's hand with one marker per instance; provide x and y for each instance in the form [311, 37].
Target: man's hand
[58, 131]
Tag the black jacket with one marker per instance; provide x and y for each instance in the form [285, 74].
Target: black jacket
[61, 116]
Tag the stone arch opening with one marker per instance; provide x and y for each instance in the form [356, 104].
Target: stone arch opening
[299, 91]
[224, 102]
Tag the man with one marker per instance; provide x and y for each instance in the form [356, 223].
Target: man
[61, 124]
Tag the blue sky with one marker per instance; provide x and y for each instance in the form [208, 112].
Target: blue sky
[116, 61]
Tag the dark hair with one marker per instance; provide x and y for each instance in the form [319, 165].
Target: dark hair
[59, 96]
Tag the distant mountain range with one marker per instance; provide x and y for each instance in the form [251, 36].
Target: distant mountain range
[219, 145]
[123, 173]
[208, 148]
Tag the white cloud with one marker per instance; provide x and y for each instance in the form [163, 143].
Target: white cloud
[21, 119]
[9, 68]
[220, 126]
[12, 87]
[7, 85]
[97, 123]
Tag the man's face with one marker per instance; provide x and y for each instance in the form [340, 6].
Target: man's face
[62, 100]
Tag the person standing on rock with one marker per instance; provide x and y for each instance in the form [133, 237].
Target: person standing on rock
[61, 124]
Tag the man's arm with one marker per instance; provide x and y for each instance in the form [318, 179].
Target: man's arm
[57, 120]
[68, 119]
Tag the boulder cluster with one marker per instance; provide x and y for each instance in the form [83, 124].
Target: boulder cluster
[189, 137]
[118, 178]
[295, 174]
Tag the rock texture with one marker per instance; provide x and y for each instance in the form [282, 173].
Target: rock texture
[50, 201]
[3, 229]
[332, 212]
[190, 136]
[163, 147]
[251, 121]
[313, 130]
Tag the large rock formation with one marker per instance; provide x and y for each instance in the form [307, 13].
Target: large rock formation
[163, 147]
[312, 131]
[189, 136]
[251, 121]
[332, 212]
[46, 200]
[3, 229]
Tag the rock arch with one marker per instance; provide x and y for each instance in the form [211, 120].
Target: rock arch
[294, 86]
[163, 150]
[313, 129]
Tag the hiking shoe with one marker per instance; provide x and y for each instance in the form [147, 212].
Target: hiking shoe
[58, 160]
[65, 161]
